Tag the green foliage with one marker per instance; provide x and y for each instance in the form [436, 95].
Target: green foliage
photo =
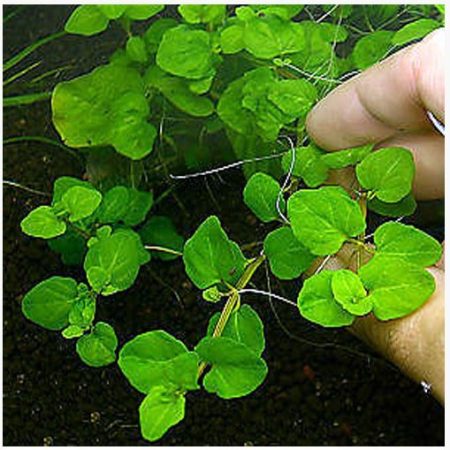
[213, 14]
[396, 240]
[98, 348]
[210, 257]
[316, 302]
[371, 48]
[80, 202]
[396, 287]
[405, 207]
[105, 107]
[48, 304]
[236, 370]
[261, 194]
[323, 219]
[414, 30]
[387, 174]
[288, 257]
[42, 222]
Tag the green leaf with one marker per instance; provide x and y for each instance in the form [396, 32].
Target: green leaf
[181, 41]
[98, 348]
[210, 257]
[63, 184]
[270, 36]
[98, 278]
[105, 107]
[288, 257]
[260, 195]
[232, 39]
[201, 86]
[72, 332]
[372, 48]
[405, 207]
[118, 256]
[244, 326]
[236, 371]
[142, 12]
[388, 173]
[317, 304]
[396, 287]
[48, 303]
[136, 49]
[114, 205]
[80, 202]
[161, 409]
[160, 231]
[86, 20]
[345, 158]
[407, 242]
[213, 14]
[349, 292]
[156, 357]
[323, 219]
[155, 32]
[43, 223]
[415, 30]
[178, 92]
[294, 97]
[139, 204]
[308, 165]
[71, 246]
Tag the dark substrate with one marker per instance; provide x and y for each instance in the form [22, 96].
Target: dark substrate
[331, 390]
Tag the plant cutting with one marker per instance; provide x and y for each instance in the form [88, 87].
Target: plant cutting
[253, 75]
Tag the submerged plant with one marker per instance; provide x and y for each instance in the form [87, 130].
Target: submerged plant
[241, 77]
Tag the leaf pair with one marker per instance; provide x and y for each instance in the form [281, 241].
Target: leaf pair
[71, 205]
[57, 303]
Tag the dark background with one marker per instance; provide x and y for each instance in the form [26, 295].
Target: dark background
[323, 388]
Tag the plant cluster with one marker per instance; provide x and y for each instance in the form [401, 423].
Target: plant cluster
[245, 75]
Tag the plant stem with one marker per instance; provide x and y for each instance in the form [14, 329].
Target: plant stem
[233, 300]
[156, 248]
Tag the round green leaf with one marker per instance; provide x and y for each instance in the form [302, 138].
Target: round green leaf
[145, 360]
[155, 32]
[105, 107]
[405, 207]
[72, 332]
[48, 303]
[161, 409]
[405, 241]
[213, 14]
[345, 158]
[372, 48]
[43, 223]
[98, 348]
[232, 39]
[210, 257]
[136, 50]
[260, 195]
[212, 294]
[86, 20]
[142, 12]
[317, 304]
[81, 202]
[112, 11]
[396, 287]
[349, 292]
[114, 205]
[388, 173]
[186, 53]
[323, 219]
[139, 204]
[63, 184]
[236, 371]
[288, 257]
[244, 326]
[415, 30]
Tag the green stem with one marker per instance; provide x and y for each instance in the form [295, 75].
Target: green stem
[233, 301]
[157, 248]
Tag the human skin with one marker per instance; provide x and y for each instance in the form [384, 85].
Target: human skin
[387, 105]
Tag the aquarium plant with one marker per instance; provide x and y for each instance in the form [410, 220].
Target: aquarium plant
[244, 77]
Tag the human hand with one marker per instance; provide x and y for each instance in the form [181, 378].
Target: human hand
[387, 105]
